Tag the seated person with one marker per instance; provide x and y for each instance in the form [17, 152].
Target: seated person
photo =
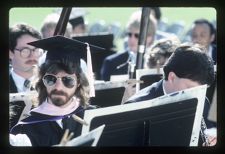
[117, 64]
[187, 67]
[62, 93]
[203, 32]
[159, 52]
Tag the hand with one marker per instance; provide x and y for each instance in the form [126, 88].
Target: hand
[211, 140]
[130, 89]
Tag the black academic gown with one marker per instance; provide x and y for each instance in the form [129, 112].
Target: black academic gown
[156, 90]
[43, 130]
[110, 64]
[16, 107]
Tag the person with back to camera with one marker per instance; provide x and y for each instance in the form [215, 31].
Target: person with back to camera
[189, 66]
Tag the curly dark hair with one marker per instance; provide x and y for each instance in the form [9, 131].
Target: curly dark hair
[82, 91]
[162, 48]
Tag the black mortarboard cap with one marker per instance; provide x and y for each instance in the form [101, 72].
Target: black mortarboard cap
[104, 40]
[76, 21]
[60, 47]
[77, 16]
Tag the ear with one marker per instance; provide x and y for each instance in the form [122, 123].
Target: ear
[11, 54]
[171, 77]
[78, 85]
[212, 38]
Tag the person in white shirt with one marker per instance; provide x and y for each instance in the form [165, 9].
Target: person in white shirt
[24, 62]
[19, 140]
[203, 33]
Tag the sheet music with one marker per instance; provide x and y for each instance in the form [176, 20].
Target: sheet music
[22, 96]
[119, 77]
[27, 97]
[109, 84]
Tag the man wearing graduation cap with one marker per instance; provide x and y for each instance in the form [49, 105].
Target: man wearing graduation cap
[77, 21]
[63, 92]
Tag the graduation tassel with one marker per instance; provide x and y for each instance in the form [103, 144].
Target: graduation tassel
[90, 72]
[78, 119]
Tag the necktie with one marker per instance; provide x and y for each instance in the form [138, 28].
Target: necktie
[26, 85]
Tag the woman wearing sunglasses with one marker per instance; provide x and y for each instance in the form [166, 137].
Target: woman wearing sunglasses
[62, 93]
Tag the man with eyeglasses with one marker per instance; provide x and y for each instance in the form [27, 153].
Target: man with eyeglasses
[63, 93]
[24, 61]
[117, 64]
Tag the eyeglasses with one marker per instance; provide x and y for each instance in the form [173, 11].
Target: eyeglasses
[25, 52]
[50, 80]
[136, 35]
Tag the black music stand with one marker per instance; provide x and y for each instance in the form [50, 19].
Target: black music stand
[149, 79]
[108, 97]
[102, 40]
[151, 123]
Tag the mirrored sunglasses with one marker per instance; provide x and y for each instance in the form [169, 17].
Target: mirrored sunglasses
[68, 81]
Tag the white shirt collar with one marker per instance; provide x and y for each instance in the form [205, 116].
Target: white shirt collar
[164, 91]
[210, 51]
[19, 81]
[59, 122]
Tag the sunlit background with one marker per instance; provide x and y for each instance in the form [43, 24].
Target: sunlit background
[105, 16]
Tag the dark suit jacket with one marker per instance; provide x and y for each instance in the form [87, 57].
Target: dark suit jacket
[17, 107]
[214, 54]
[156, 90]
[150, 92]
[110, 64]
[43, 130]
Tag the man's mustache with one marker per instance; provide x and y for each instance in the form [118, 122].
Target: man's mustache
[31, 62]
[56, 92]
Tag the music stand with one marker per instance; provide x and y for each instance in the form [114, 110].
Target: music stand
[149, 76]
[27, 98]
[149, 123]
[149, 79]
[98, 56]
[89, 139]
[108, 94]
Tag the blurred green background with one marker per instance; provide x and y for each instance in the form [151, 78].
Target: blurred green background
[35, 15]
